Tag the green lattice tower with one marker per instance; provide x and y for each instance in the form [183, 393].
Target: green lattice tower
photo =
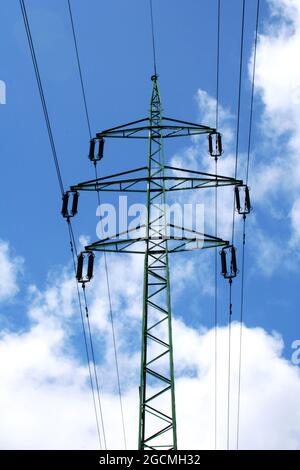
[157, 395]
[155, 239]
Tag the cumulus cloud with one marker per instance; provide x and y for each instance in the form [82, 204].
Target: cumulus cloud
[45, 381]
[295, 220]
[196, 157]
[11, 267]
[265, 400]
[46, 400]
[278, 74]
[275, 159]
[277, 84]
[52, 406]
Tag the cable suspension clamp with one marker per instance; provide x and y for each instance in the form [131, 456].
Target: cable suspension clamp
[244, 208]
[99, 156]
[66, 211]
[232, 272]
[85, 266]
[215, 147]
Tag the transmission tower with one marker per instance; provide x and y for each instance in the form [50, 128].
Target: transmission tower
[156, 238]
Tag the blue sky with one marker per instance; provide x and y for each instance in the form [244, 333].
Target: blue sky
[115, 48]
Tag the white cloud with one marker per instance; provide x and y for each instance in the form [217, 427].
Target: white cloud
[266, 260]
[295, 220]
[277, 72]
[196, 157]
[10, 267]
[268, 406]
[52, 405]
[46, 400]
[275, 160]
[277, 83]
[125, 274]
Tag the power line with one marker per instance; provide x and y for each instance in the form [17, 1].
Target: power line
[113, 331]
[73, 243]
[216, 306]
[229, 365]
[153, 37]
[84, 332]
[244, 227]
[233, 212]
[252, 90]
[42, 96]
[218, 63]
[80, 71]
[59, 177]
[239, 106]
[94, 362]
[216, 224]
[98, 197]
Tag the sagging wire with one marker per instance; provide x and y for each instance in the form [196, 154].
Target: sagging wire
[216, 229]
[244, 227]
[153, 37]
[61, 186]
[233, 217]
[104, 254]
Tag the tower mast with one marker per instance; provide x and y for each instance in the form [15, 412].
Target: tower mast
[157, 396]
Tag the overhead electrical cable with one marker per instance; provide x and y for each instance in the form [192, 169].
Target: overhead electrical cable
[244, 227]
[74, 255]
[87, 317]
[94, 363]
[42, 96]
[238, 113]
[153, 38]
[61, 186]
[79, 70]
[218, 63]
[113, 332]
[216, 230]
[233, 215]
[104, 254]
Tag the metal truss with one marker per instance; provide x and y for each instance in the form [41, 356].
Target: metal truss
[133, 241]
[156, 238]
[174, 179]
[166, 127]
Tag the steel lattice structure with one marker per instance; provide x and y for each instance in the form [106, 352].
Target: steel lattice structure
[156, 239]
